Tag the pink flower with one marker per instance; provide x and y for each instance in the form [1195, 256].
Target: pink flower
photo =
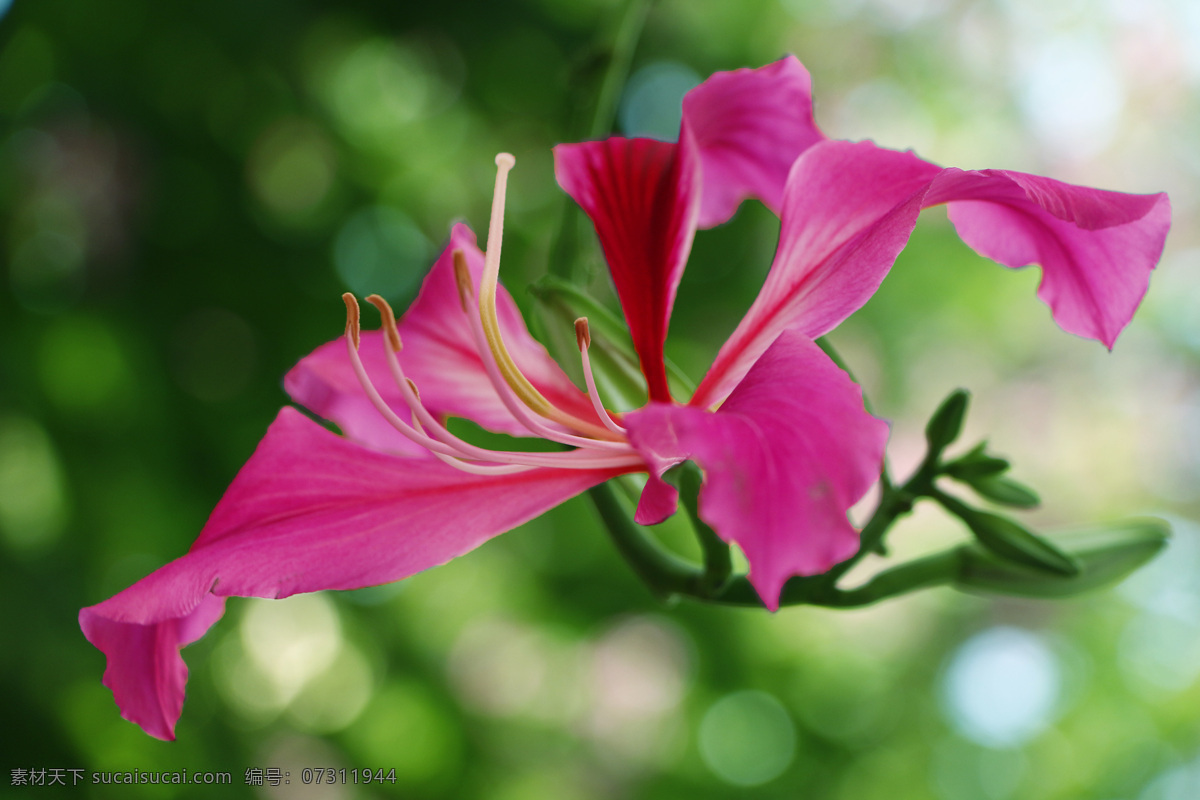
[779, 431]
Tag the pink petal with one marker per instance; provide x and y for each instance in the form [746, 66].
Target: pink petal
[749, 126]
[659, 499]
[439, 355]
[309, 511]
[848, 211]
[784, 459]
[1096, 248]
[643, 197]
[145, 672]
[741, 131]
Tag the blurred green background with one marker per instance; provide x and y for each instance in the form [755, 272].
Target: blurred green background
[187, 188]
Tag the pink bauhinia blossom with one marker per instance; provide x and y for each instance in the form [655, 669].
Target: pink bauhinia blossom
[777, 428]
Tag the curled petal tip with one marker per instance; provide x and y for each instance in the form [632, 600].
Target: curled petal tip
[352, 315]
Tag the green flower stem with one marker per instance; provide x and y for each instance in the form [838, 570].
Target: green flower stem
[669, 576]
[952, 504]
[894, 503]
[718, 561]
[665, 573]
[921, 573]
[939, 569]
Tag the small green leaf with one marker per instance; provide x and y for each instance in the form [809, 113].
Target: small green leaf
[1004, 491]
[977, 468]
[1105, 555]
[976, 464]
[946, 423]
[1012, 541]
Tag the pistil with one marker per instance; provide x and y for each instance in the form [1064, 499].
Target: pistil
[597, 446]
[489, 318]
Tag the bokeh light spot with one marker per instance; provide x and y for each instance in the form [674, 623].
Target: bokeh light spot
[1160, 647]
[499, 667]
[889, 114]
[291, 641]
[378, 87]
[379, 250]
[335, 697]
[46, 271]
[1002, 687]
[963, 770]
[639, 671]
[83, 367]
[292, 755]
[32, 496]
[215, 352]
[1072, 96]
[405, 712]
[26, 65]
[653, 102]
[1178, 783]
[1161, 652]
[291, 168]
[747, 738]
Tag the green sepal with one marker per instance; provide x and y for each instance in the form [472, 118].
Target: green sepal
[1104, 556]
[718, 560]
[946, 423]
[1004, 491]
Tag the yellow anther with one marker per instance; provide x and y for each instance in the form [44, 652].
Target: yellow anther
[583, 334]
[389, 320]
[462, 277]
[351, 317]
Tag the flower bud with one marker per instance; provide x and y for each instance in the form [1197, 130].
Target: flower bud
[1104, 556]
[946, 423]
[1013, 542]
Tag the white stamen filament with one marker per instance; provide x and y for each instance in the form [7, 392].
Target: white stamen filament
[518, 395]
[440, 432]
[518, 410]
[446, 443]
[469, 467]
[585, 339]
[489, 318]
